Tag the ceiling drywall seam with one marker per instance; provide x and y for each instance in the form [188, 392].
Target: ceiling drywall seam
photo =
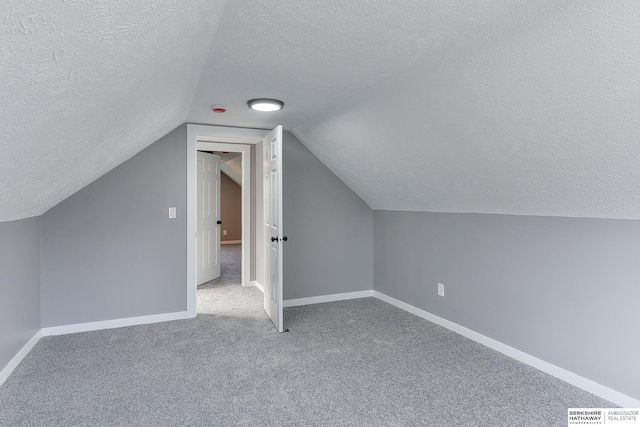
[206, 55]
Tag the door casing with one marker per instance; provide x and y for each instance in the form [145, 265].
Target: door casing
[218, 138]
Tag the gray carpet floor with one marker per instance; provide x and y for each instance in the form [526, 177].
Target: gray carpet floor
[230, 267]
[350, 363]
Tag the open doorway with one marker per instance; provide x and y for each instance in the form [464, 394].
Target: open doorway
[261, 248]
[220, 230]
[231, 198]
[230, 140]
[219, 227]
[231, 217]
[219, 236]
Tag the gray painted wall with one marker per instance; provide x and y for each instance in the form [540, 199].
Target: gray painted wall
[565, 290]
[330, 228]
[19, 285]
[110, 251]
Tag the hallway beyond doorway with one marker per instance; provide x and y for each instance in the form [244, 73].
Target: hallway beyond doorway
[226, 295]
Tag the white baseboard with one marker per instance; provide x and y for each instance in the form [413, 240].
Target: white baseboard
[258, 285]
[230, 242]
[569, 377]
[327, 298]
[116, 323]
[7, 370]
[85, 327]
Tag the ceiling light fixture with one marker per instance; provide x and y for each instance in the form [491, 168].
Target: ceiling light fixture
[265, 104]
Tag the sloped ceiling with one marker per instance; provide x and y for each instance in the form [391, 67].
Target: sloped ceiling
[514, 107]
[87, 84]
[231, 165]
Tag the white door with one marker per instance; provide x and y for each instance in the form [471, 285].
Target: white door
[273, 237]
[208, 228]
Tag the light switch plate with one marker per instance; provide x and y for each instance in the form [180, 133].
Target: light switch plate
[440, 289]
[172, 213]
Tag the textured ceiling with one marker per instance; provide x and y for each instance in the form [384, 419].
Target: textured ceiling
[231, 165]
[540, 116]
[529, 107]
[515, 107]
[87, 84]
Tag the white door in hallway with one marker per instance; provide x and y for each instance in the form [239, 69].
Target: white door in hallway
[208, 227]
[273, 236]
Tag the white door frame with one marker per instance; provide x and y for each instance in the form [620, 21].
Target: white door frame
[217, 138]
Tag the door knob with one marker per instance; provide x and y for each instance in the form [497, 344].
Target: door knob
[274, 239]
[285, 238]
[219, 222]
